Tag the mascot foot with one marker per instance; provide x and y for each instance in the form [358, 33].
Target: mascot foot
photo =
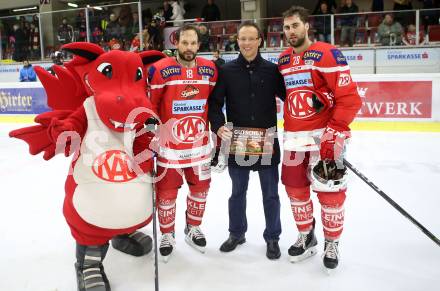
[90, 273]
[136, 244]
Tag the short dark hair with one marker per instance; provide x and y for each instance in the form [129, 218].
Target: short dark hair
[217, 51]
[300, 11]
[250, 24]
[187, 27]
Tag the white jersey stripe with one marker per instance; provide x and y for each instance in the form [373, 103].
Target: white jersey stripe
[183, 82]
[310, 67]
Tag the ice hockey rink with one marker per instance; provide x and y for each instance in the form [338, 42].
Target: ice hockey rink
[380, 248]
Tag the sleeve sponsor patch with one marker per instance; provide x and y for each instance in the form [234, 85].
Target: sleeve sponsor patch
[284, 60]
[206, 71]
[298, 80]
[170, 71]
[189, 106]
[339, 57]
[312, 55]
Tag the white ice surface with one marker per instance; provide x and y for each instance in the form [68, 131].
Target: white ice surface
[380, 249]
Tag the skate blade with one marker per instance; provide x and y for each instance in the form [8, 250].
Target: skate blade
[328, 271]
[307, 254]
[165, 259]
[193, 245]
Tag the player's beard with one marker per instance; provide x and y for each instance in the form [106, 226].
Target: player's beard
[299, 41]
[187, 57]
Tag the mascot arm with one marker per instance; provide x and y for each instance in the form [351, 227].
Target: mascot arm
[40, 137]
[143, 155]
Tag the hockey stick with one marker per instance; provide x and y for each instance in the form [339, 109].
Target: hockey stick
[393, 203]
[156, 265]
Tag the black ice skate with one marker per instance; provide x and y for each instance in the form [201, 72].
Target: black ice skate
[195, 237]
[135, 244]
[304, 247]
[167, 244]
[331, 254]
[90, 273]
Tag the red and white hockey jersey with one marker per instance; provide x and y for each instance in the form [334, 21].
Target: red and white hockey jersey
[179, 96]
[319, 93]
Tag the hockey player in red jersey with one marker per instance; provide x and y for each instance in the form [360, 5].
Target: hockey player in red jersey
[179, 89]
[321, 102]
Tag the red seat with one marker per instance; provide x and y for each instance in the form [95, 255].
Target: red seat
[231, 27]
[216, 28]
[434, 32]
[374, 20]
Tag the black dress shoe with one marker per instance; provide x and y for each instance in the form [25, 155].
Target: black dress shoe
[273, 250]
[231, 243]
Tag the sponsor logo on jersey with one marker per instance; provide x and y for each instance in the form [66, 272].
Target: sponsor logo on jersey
[298, 80]
[299, 104]
[170, 71]
[339, 57]
[344, 79]
[284, 60]
[189, 106]
[189, 92]
[205, 71]
[189, 129]
[312, 55]
[113, 166]
[309, 62]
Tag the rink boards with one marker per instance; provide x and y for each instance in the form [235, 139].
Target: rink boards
[390, 102]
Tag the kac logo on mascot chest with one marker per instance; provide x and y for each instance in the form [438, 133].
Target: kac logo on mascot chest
[300, 104]
[113, 166]
[189, 129]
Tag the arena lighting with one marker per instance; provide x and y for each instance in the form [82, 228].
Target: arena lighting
[97, 7]
[24, 9]
[70, 4]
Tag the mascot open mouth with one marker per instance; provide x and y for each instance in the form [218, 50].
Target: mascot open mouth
[118, 124]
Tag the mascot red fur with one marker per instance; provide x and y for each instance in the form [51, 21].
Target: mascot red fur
[99, 106]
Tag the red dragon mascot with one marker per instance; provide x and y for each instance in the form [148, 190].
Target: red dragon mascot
[99, 106]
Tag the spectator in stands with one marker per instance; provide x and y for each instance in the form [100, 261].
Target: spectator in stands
[34, 41]
[348, 23]
[217, 59]
[410, 36]
[178, 12]
[155, 40]
[331, 5]
[80, 26]
[57, 59]
[27, 73]
[232, 44]
[210, 11]
[134, 25]
[377, 5]
[203, 38]
[65, 32]
[390, 31]
[167, 12]
[323, 23]
[113, 29]
[404, 18]
[430, 17]
[19, 41]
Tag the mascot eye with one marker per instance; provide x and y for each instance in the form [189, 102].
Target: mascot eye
[139, 74]
[105, 69]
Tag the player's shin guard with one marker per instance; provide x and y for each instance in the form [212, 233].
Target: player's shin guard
[195, 209]
[195, 203]
[332, 213]
[166, 214]
[302, 208]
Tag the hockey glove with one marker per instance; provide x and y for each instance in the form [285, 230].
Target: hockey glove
[332, 143]
[218, 162]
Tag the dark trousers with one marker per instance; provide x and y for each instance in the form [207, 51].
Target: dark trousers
[269, 178]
